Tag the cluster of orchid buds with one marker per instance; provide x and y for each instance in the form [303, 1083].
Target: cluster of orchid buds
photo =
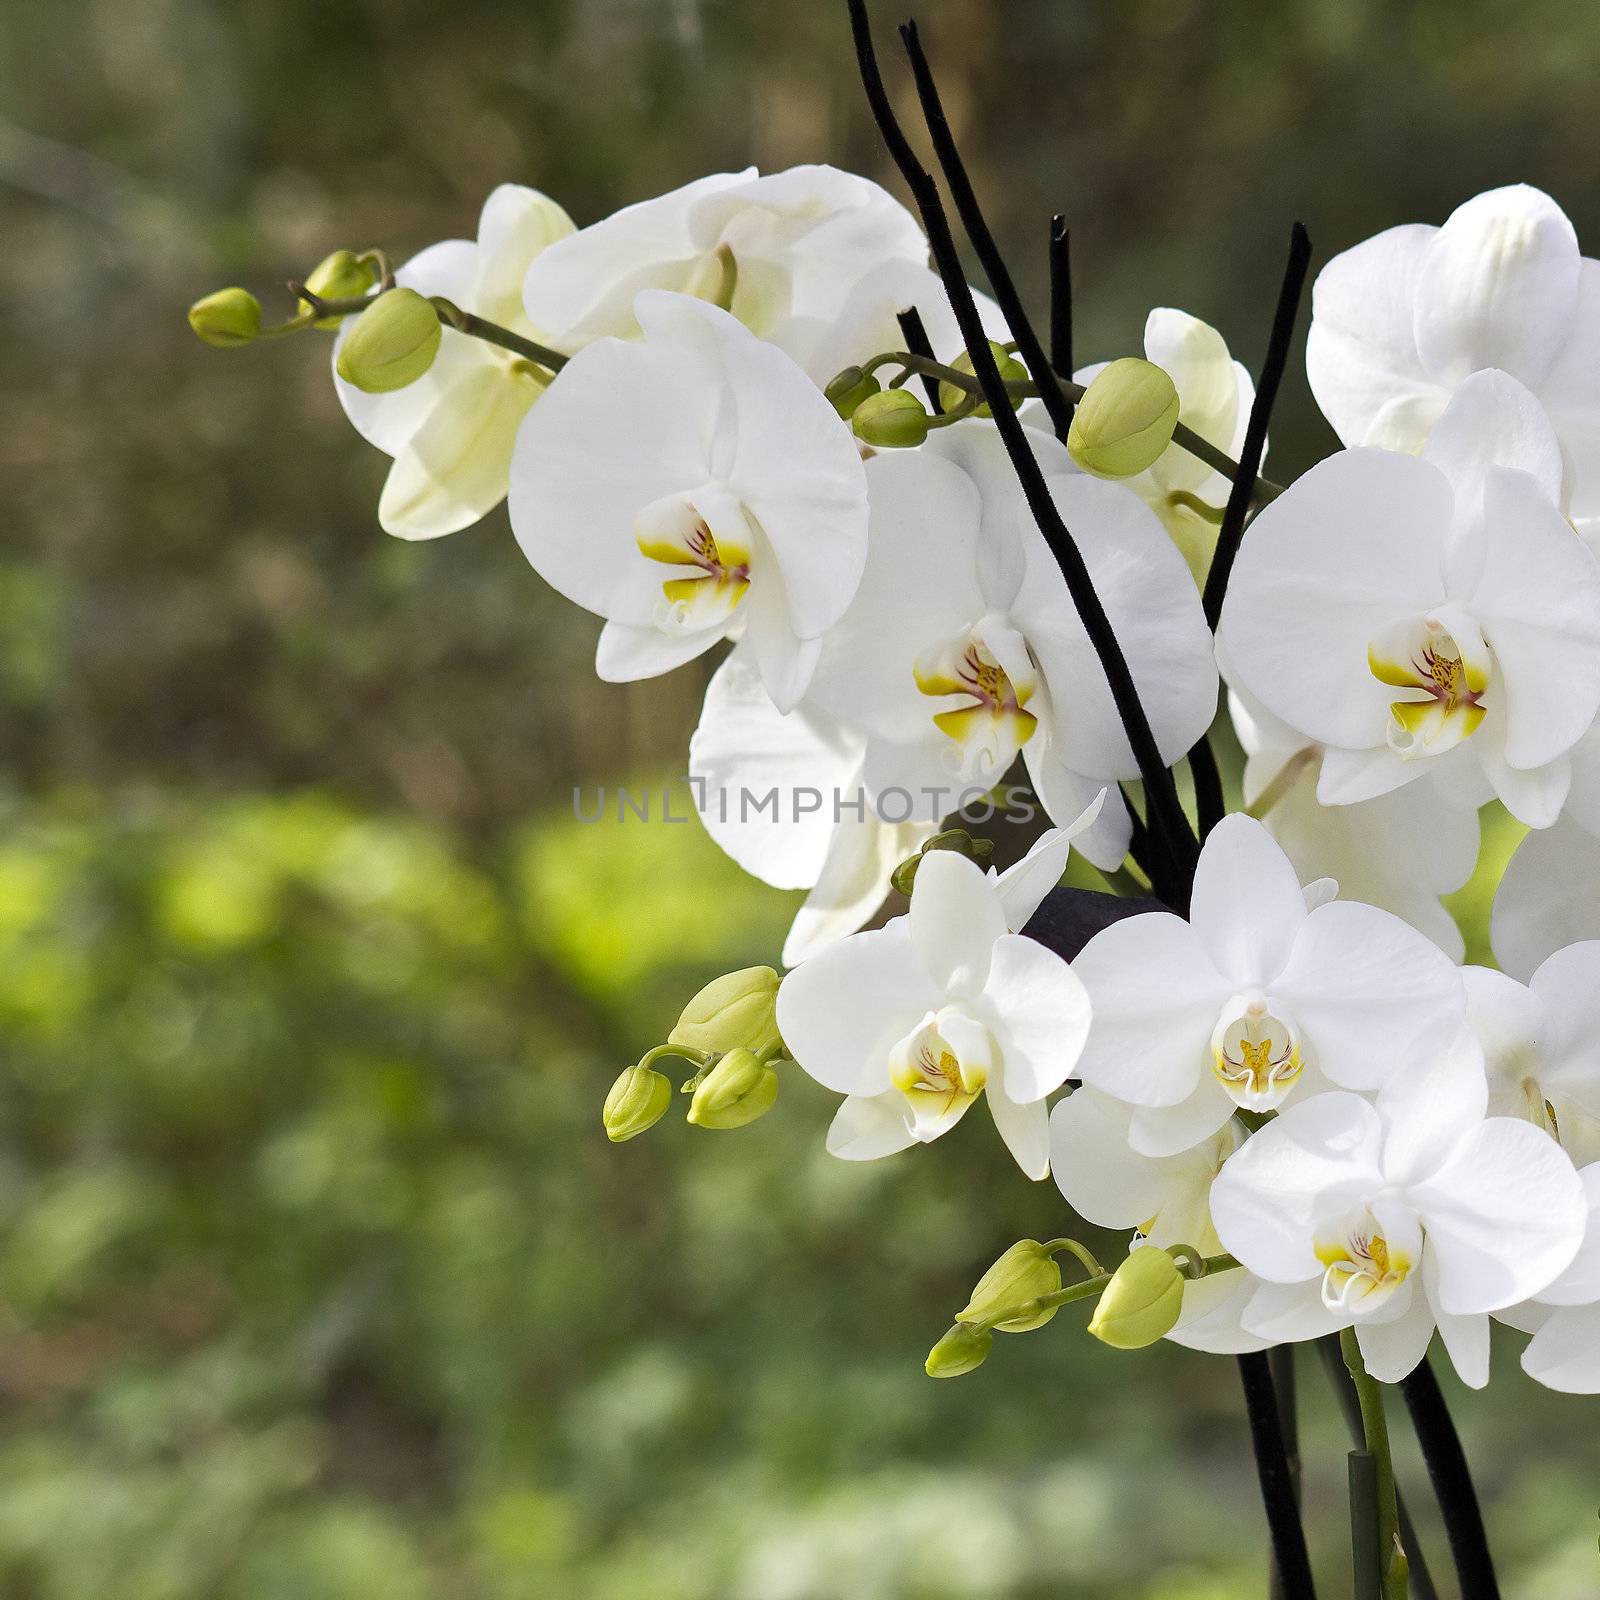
[952, 568]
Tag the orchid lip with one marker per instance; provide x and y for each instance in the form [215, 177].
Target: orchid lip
[1362, 1267]
[1443, 667]
[1256, 1055]
[703, 539]
[988, 667]
[941, 1066]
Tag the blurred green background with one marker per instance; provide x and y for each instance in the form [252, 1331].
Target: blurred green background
[317, 1278]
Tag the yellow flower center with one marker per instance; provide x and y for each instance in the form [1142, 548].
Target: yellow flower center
[1255, 1055]
[1361, 1267]
[711, 568]
[941, 1067]
[991, 726]
[1443, 665]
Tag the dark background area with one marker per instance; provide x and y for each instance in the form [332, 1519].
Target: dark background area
[317, 1278]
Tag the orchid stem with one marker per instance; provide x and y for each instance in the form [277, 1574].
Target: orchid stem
[452, 316]
[1375, 1427]
[1281, 782]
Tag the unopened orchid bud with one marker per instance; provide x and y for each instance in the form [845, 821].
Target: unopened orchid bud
[737, 1090]
[962, 1349]
[904, 876]
[340, 276]
[637, 1102]
[850, 388]
[391, 344]
[1125, 420]
[1142, 1302]
[893, 420]
[226, 318]
[737, 1011]
[952, 395]
[1025, 1272]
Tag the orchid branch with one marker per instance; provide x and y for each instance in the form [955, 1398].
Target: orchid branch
[1452, 1483]
[1160, 790]
[451, 315]
[1255, 435]
[1290, 1556]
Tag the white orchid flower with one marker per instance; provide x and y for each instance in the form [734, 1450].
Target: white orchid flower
[1541, 1045]
[689, 487]
[1268, 991]
[1402, 320]
[1166, 1198]
[963, 638]
[1400, 851]
[451, 432]
[912, 1022]
[1398, 1218]
[1564, 1318]
[785, 248]
[1435, 614]
[801, 801]
[1215, 394]
[866, 323]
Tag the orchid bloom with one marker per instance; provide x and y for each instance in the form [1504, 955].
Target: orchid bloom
[690, 487]
[866, 322]
[914, 1021]
[782, 249]
[1215, 394]
[451, 432]
[1435, 614]
[1402, 320]
[801, 801]
[1564, 1317]
[1541, 1044]
[1400, 1217]
[1268, 991]
[1400, 851]
[963, 638]
[1166, 1198]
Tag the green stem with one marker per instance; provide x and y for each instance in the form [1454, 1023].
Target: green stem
[1084, 1255]
[1119, 880]
[700, 1059]
[1375, 1428]
[452, 316]
[1282, 781]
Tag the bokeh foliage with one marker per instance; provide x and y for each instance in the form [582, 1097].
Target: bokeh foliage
[316, 1277]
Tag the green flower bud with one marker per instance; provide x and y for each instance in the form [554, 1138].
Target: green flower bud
[737, 1090]
[962, 1349]
[738, 1011]
[392, 343]
[341, 276]
[1025, 1272]
[1141, 1303]
[1125, 419]
[1011, 371]
[227, 318]
[850, 388]
[637, 1101]
[893, 420]
[904, 877]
